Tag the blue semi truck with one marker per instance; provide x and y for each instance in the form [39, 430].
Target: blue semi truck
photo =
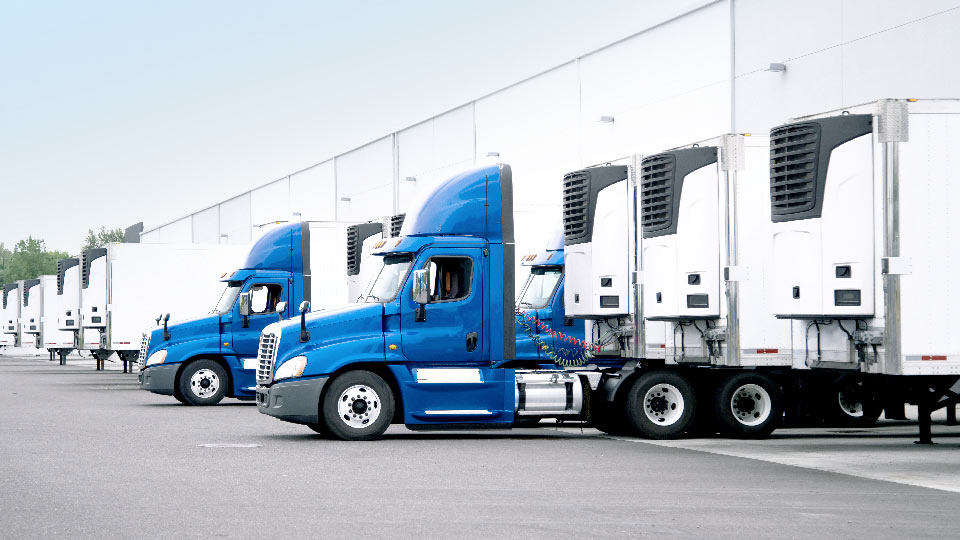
[433, 343]
[202, 360]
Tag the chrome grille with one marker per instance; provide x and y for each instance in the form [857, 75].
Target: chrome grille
[144, 347]
[266, 355]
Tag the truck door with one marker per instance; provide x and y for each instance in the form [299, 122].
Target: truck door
[451, 381]
[265, 295]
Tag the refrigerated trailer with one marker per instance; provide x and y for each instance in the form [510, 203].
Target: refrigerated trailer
[10, 320]
[865, 244]
[56, 341]
[30, 313]
[126, 288]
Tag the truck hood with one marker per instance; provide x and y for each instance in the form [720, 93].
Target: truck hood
[338, 328]
[185, 330]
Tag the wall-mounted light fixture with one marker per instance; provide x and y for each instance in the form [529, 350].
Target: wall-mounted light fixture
[776, 68]
[345, 199]
[410, 179]
[493, 154]
[605, 120]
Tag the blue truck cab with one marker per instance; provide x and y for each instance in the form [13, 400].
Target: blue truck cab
[202, 360]
[433, 344]
[542, 326]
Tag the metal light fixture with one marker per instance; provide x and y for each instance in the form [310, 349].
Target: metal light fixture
[776, 68]
[605, 120]
[410, 179]
[345, 199]
[493, 154]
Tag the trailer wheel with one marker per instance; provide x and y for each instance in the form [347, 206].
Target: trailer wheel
[661, 405]
[852, 406]
[203, 382]
[749, 406]
[358, 406]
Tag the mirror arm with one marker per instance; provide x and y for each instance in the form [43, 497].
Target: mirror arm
[420, 314]
[166, 333]
[304, 335]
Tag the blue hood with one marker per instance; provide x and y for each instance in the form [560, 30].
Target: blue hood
[185, 330]
[337, 336]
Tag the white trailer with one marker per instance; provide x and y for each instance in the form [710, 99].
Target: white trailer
[124, 289]
[68, 297]
[865, 244]
[30, 313]
[52, 338]
[10, 320]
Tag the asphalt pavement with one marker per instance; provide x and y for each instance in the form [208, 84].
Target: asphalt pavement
[88, 454]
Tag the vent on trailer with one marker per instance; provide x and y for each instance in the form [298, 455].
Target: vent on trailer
[576, 198]
[799, 159]
[62, 266]
[356, 234]
[661, 184]
[86, 259]
[6, 291]
[27, 285]
[396, 223]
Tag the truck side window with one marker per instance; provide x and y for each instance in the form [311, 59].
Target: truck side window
[450, 278]
[264, 298]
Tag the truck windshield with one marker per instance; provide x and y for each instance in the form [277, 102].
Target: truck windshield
[227, 297]
[385, 286]
[539, 288]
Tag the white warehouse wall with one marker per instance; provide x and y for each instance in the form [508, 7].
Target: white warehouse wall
[692, 71]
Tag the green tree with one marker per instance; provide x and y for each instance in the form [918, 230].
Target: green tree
[105, 236]
[29, 260]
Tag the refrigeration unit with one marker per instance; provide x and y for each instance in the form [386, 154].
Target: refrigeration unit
[361, 239]
[68, 297]
[30, 313]
[10, 320]
[52, 338]
[126, 288]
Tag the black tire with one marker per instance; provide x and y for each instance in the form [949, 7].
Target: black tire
[179, 397]
[320, 428]
[367, 403]
[202, 382]
[666, 412]
[748, 406]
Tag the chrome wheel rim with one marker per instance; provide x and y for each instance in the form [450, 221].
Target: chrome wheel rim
[359, 406]
[850, 403]
[204, 383]
[751, 404]
[663, 404]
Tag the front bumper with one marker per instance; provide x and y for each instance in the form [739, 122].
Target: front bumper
[159, 379]
[294, 401]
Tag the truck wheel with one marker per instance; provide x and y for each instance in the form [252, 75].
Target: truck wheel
[358, 406]
[203, 382]
[748, 405]
[661, 405]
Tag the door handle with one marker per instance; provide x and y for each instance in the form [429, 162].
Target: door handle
[472, 341]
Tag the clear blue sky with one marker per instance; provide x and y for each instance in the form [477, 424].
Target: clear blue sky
[117, 112]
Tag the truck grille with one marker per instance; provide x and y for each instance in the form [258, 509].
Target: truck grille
[396, 223]
[576, 199]
[144, 347]
[656, 192]
[266, 355]
[793, 168]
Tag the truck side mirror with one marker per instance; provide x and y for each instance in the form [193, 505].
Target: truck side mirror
[166, 334]
[304, 308]
[244, 308]
[421, 293]
[281, 307]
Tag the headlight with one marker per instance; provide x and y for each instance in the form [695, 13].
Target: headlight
[157, 357]
[291, 368]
